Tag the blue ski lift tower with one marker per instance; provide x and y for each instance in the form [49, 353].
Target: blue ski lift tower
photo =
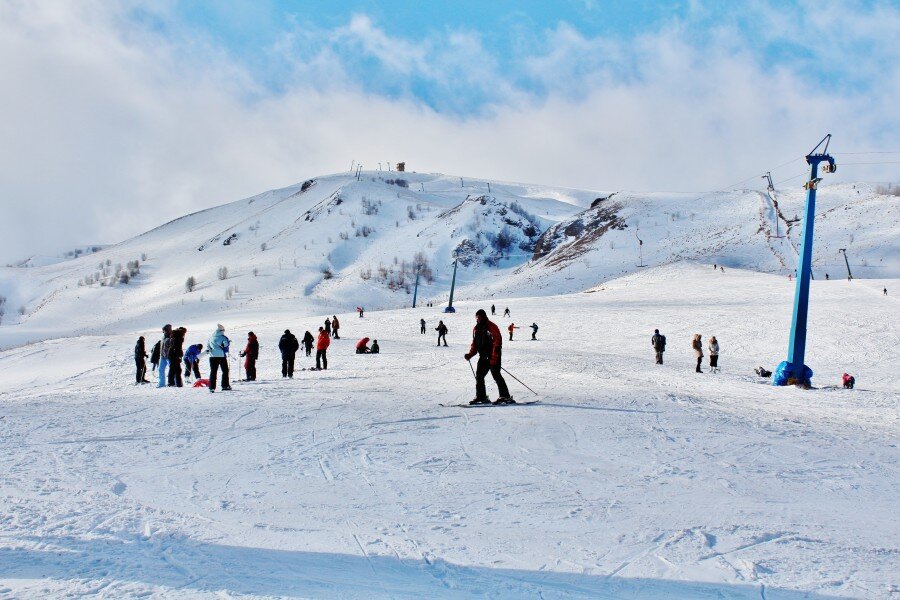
[797, 344]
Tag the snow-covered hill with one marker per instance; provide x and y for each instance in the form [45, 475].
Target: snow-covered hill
[336, 242]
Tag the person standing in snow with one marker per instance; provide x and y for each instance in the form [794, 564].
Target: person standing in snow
[218, 346]
[362, 346]
[360, 310]
[250, 354]
[140, 364]
[322, 344]
[885, 291]
[192, 361]
[697, 345]
[174, 354]
[506, 312]
[658, 341]
[713, 354]
[534, 329]
[512, 326]
[335, 324]
[328, 326]
[493, 310]
[487, 343]
[308, 341]
[163, 354]
[422, 325]
[375, 348]
[442, 332]
[288, 345]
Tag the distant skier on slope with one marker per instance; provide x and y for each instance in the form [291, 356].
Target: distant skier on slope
[163, 355]
[511, 328]
[335, 324]
[713, 346]
[422, 325]
[288, 345]
[218, 346]
[360, 310]
[322, 343]
[308, 341]
[506, 312]
[658, 341]
[175, 351]
[192, 361]
[362, 346]
[140, 363]
[493, 310]
[328, 326]
[487, 343]
[697, 345]
[250, 354]
[442, 332]
[534, 330]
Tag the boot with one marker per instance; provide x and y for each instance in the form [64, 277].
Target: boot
[504, 400]
[480, 401]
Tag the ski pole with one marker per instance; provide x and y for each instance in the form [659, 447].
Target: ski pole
[520, 381]
[473, 368]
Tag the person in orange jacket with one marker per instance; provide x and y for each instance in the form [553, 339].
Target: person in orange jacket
[322, 344]
[487, 343]
[511, 327]
[362, 346]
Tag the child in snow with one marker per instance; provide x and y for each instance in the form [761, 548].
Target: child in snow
[375, 347]
[251, 354]
[849, 381]
[192, 361]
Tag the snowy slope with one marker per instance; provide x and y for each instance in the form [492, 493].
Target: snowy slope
[629, 480]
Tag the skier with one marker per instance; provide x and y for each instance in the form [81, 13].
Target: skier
[511, 327]
[250, 354]
[715, 266]
[154, 354]
[534, 329]
[334, 327]
[362, 346]
[658, 341]
[192, 361]
[375, 348]
[826, 277]
[218, 346]
[422, 325]
[328, 326]
[885, 291]
[308, 341]
[713, 354]
[722, 269]
[360, 310]
[493, 310]
[849, 381]
[163, 354]
[140, 353]
[174, 352]
[697, 345]
[487, 343]
[322, 344]
[288, 345]
[442, 332]
[506, 312]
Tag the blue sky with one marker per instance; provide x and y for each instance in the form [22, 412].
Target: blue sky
[148, 109]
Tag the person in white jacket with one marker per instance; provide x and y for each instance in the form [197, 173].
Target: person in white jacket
[713, 354]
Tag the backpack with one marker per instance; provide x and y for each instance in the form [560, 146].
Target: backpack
[154, 354]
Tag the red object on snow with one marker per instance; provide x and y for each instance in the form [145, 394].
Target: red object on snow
[363, 343]
[202, 383]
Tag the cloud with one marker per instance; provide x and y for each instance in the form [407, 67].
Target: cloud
[116, 118]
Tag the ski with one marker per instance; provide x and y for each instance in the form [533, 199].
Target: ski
[491, 405]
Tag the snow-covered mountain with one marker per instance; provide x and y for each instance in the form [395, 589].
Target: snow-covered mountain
[335, 242]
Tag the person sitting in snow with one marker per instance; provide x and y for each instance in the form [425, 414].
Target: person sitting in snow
[375, 347]
[362, 346]
[849, 381]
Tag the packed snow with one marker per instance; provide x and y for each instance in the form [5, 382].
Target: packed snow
[627, 480]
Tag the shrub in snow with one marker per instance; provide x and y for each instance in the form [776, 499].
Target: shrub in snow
[344, 235]
[255, 271]
[143, 257]
[262, 246]
[222, 273]
[190, 284]
[368, 207]
[326, 272]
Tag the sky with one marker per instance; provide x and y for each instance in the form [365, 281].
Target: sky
[119, 115]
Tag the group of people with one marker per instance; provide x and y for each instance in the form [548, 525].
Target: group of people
[442, 329]
[658, 342]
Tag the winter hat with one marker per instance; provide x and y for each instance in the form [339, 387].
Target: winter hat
[220, 327]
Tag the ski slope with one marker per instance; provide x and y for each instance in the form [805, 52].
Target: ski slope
[628, 480]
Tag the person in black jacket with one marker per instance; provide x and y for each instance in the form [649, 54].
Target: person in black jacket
[308, 341]
[154, 354]
[442, 332]
[140, 353]
[658, 341]
[288, 345]
[175, 347]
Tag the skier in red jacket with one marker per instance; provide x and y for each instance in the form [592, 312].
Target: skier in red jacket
[487, 342]
[322, 344]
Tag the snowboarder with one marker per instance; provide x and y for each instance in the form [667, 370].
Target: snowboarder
[658, 341]
[697, 345]
[288, 345]
[487, 343]
[250, 354]
[140, 364]
[713, 354]
[322, 344]
[849, 381]
[375, 347]
[192, 361]
[534, 329]
[493, 310]
[335, 324]
[328, 326]
[218, 346]
[442, 332]
[506, 312]
[511, 327]
[163, 355]
[308, 341]
[174, 352]
[422, 325]
[362, 346]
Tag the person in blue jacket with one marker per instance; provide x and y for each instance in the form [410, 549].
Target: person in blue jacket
[218, 346]
[163, 355]
[192, 361]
